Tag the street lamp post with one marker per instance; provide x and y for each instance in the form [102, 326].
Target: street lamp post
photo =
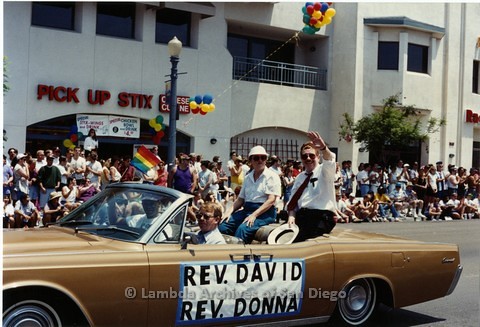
[174, 49]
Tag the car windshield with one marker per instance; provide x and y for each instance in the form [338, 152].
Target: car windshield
[120, 213]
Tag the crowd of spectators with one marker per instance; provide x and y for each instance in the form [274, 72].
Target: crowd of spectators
[43, 187]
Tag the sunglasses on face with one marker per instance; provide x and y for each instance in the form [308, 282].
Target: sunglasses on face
[202, 216]
[305, 156]
[258, 158]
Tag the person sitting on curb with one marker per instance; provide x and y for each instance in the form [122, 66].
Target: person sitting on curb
[384, 203]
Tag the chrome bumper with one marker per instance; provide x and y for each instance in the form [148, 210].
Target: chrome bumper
[458, 273]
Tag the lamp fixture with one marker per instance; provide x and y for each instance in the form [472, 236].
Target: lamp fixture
[174, 47]
[213, 140]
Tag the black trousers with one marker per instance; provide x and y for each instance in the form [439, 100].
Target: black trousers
[313, 223]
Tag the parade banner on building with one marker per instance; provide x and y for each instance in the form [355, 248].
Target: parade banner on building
[223, 291]
[109, 125]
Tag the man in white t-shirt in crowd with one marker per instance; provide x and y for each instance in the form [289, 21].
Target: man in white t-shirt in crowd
[93, 169]
[78, 166]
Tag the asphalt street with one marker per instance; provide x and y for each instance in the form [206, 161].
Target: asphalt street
[462, 307]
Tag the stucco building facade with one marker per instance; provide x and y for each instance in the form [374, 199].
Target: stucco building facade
[427, 52]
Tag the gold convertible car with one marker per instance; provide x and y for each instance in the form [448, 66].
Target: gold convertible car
[112, 262]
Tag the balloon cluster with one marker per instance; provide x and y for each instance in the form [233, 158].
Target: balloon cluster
[202, 105]
[73, 137]
[157, 128]
[316, 15]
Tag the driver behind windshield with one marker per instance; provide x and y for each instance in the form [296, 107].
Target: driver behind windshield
[151, 207]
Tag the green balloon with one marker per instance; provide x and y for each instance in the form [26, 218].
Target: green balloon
[159, 119]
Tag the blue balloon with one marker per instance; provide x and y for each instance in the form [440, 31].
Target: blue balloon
[198, 99]
[207, 98]
[324, 7]
[308, 4]
[74, 129]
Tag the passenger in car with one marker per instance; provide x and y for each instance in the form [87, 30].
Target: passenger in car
[151, 206]
[208, 218]
[312, 205]
[257, 197]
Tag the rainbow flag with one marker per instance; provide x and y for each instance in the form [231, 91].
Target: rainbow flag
[144, 159]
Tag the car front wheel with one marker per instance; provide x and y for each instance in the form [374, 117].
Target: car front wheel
[31, 313]
[358, 302]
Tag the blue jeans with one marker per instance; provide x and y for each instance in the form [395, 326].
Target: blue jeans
[364, 188]
[383, 207]
[236, 227]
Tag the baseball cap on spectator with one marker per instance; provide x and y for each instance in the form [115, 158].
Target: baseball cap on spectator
[21, 156]
[398, 185]
[439, 163]
[406, 165]
[351, 195]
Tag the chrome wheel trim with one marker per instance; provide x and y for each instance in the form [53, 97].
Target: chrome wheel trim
[31, 313]
[359, 302]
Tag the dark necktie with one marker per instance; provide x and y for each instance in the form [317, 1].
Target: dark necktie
[292, 204]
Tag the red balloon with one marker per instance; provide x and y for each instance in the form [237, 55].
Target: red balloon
[202, 112]
[196, 110]
[161, 133]
[317, 6]
[310, 10]
[74, 138]
[313, 21]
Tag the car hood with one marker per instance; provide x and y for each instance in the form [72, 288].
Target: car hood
[53, 240]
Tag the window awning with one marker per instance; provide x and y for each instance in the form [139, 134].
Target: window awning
[405, 22]
[205, 9]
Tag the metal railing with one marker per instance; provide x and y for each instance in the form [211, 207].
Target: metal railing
[280, 73]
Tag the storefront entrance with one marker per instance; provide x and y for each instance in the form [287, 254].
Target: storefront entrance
[52, 133]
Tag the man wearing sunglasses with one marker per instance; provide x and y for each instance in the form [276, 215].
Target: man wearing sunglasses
[313, 208]
[257, 197]
[208, 218]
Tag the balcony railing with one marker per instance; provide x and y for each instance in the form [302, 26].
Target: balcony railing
[280, 73]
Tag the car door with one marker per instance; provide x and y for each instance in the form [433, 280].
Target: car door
[188, 282]
[300, 285]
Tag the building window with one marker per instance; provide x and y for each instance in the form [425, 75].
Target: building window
[116, 19]
[387, 56]
[417, 58]
[170, 23]
[476, 154]
[476, 77]
[54, 14]
[256, 48]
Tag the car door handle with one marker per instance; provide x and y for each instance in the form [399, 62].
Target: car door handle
[263, 257]
[240, 257]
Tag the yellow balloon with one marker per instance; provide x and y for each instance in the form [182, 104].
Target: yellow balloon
[205, 107]
[152, 122]
[72, 146]
[212, 107]
[327, 20]
[330, 12]
[318, 25]
[193, 105]
[158, 128]
[68, 143]
[317, 14]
